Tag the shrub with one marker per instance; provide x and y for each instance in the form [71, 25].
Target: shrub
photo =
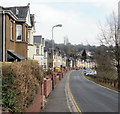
[49, 72]
[8, 93]
[20, 83]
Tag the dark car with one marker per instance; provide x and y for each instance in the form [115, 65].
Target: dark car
[77, 68]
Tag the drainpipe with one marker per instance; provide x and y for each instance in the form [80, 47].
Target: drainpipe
[4, 23]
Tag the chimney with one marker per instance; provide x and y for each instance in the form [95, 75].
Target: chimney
[28, 4]
[17, 11]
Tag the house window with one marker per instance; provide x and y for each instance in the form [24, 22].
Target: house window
[19, 32]
[41, 50]
[37, 49]
[11, 31]
[29, 37]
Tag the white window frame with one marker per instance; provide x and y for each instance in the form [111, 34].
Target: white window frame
[20, 30]
[37, 50]
[41, 50]
[29, 37]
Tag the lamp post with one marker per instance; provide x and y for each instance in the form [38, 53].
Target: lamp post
[59, 25]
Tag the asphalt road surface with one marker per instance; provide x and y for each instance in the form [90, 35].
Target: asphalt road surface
[91, 97]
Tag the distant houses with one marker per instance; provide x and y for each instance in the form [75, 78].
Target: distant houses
[39, 45]
[59, 59]
[18, 42]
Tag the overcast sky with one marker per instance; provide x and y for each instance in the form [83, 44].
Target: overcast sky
[80, 18]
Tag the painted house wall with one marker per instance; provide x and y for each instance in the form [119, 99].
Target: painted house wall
[64, 61]
[57, 60]
[39, 57]
[46, 60]
[31, 48]
[31, 52]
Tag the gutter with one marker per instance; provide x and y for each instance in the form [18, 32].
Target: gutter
[10, 13]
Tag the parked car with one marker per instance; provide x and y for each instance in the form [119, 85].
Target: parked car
[89, 72]
[94, 72]
[77, 68]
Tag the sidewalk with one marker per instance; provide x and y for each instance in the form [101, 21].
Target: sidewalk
[57, 101]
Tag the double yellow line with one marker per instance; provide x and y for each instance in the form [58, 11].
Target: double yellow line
[76, 108]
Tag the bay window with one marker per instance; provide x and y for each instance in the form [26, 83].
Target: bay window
[37, 50]
[19, 32]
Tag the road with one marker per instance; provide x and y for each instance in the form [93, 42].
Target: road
[91, 97]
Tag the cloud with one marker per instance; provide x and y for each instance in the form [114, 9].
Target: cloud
[76, 25]
[48, 17]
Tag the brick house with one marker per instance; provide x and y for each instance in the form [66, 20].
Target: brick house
[14, 22]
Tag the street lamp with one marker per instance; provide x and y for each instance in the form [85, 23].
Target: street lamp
[59, 25]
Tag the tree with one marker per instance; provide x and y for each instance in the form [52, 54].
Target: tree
[105, 63]
[110, 36]
[84, 55]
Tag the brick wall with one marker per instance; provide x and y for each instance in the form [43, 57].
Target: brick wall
[36, 105]
[47, 87]
[45, 90]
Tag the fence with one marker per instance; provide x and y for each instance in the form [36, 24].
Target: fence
[111, 82]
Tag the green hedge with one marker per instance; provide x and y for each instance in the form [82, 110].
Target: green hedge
[20, 83]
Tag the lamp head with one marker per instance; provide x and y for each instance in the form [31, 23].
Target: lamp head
[59, 25]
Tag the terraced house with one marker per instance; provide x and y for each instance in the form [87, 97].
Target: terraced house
[39, 45]
[31, 31]
[14, 22]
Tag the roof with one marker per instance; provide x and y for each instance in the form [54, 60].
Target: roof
[32, 19]
[15, 55]
[20, 11]
[37, 39]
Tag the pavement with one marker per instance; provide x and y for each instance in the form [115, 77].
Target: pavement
[57, 102]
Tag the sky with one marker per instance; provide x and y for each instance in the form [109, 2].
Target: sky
[79, 18]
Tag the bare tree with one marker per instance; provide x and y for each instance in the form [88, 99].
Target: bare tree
[110, 36]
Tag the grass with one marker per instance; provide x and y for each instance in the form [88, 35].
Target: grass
[101, 83]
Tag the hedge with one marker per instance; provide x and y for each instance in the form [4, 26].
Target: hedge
[20, 84]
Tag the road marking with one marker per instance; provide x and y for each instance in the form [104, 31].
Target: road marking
[76, 108]
[100, 85]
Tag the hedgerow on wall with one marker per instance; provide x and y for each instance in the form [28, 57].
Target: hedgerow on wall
[20, 83]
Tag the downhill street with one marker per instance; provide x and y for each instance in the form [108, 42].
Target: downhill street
[91, 97]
